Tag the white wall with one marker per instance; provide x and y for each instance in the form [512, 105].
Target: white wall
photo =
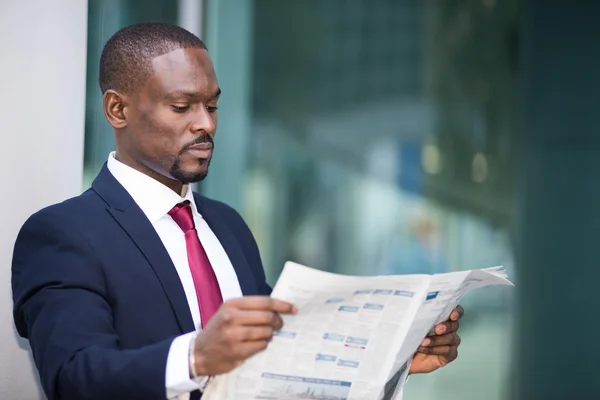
[42, 101]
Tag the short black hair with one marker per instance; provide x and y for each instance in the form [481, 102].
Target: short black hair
[126, 58]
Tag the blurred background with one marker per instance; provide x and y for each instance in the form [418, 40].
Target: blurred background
[408, 136]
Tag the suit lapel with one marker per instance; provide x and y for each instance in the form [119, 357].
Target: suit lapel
[139, 229]
[132, 219]
[231, 245]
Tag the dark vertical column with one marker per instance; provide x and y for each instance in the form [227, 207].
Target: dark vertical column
[558, 203]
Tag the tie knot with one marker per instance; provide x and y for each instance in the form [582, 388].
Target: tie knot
[182, 215]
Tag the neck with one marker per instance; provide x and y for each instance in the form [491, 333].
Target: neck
[172, 184]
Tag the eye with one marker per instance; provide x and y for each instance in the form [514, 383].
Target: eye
[180, 109]
[212, 109]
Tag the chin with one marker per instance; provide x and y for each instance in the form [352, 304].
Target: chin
[189, 176]
[190, 172]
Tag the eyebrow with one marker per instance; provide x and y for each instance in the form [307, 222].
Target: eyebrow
[192, 94]
[217, 94]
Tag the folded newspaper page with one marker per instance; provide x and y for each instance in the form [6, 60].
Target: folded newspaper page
[353, 337]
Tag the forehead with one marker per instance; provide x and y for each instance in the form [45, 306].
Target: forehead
[187, 70]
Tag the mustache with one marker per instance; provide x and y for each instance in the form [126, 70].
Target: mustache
[199, 140]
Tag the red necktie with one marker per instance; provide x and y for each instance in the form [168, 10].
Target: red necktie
[205, 281]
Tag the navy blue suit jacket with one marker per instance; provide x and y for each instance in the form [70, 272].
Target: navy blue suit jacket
[99, 298]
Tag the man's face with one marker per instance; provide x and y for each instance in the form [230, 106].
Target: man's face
[172, 119]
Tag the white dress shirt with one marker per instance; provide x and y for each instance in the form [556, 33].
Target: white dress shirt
[156, 200]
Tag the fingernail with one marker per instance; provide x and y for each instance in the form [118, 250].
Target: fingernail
[294, 310]
[426, 342]
[441, 329]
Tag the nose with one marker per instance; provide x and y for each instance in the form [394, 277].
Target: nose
[203, 122]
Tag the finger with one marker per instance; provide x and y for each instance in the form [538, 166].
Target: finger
[457, 313]
[451, 339]
[264, 303]
[245, 350]
[258, 318]
[446, 327]
[260, 333]
[448, 352]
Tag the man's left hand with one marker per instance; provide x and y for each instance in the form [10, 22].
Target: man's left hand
[439, 348]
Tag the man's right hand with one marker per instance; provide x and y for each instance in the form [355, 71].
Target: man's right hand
[239, 329]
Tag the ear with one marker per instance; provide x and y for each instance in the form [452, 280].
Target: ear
[115, 109]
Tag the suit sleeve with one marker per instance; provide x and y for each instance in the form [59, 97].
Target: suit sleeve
[61, 305]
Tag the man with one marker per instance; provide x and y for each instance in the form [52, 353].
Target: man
[138, 288]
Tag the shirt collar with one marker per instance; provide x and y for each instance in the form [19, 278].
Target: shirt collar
[154, 198]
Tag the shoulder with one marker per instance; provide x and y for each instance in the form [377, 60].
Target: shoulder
[53, 236]
[68, 216]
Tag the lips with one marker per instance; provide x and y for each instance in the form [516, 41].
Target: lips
[200, 150]
[201, 146]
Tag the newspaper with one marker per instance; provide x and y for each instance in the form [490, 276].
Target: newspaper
[353, 336]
